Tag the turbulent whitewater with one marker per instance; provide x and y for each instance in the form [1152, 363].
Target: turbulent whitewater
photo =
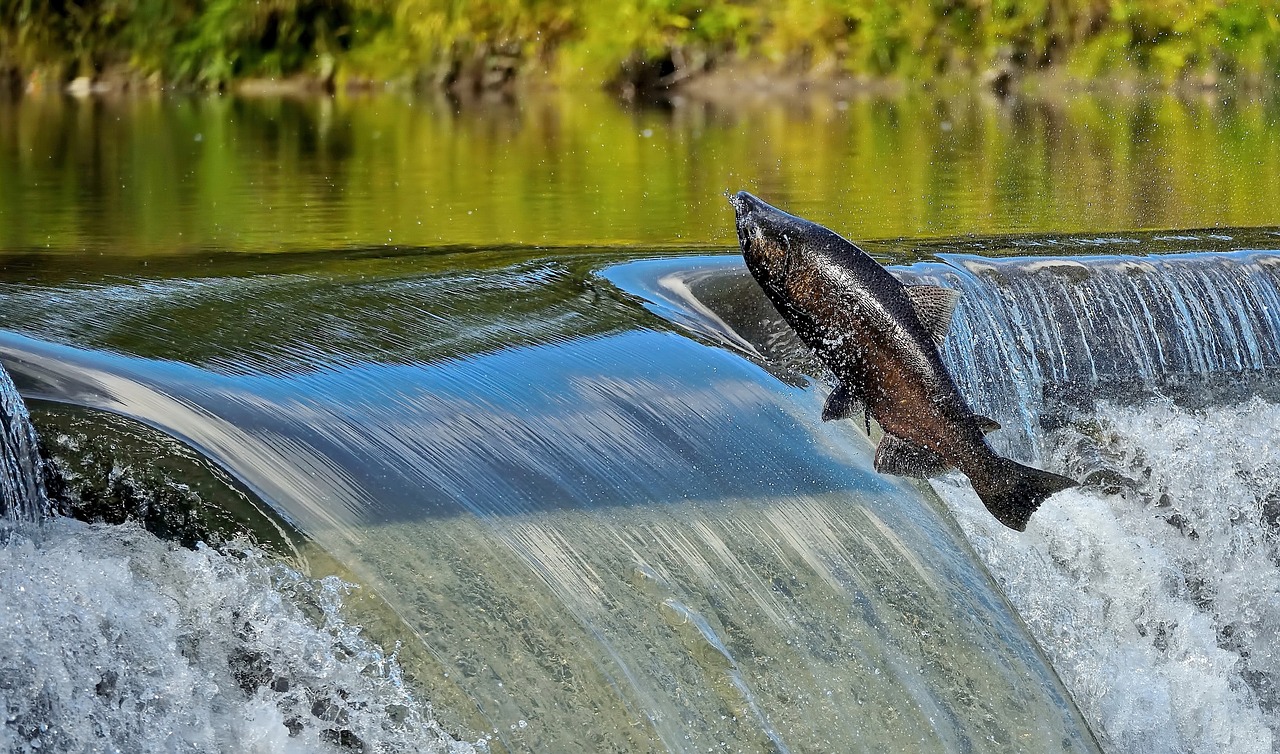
[114, 640]
[1155, 592]
[1151, 379]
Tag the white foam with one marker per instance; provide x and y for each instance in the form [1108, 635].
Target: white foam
[113, 640]
[1157, 602]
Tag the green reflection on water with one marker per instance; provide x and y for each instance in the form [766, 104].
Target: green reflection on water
[165, 175]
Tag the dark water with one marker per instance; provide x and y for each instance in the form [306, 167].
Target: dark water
[480, 361]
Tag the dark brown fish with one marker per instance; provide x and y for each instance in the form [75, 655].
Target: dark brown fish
[881, 339]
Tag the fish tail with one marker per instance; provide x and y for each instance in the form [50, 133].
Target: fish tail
[1012, 492]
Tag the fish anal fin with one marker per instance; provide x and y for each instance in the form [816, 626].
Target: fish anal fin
[986, 424]
[843, 403]
[900, 457]
[934, 306]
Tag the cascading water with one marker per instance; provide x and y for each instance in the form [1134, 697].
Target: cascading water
[1040, 338]
[1151, 379]
[591, 531]
[114, 640]
[22, 493]
[608, 536]
[613, 536]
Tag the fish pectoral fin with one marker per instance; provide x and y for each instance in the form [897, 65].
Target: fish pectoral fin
[901, 457]
[843, 403]
[934, 306]
[986, 424]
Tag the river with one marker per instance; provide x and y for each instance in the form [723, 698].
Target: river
[492, 444]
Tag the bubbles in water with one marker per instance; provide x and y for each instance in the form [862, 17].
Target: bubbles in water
[1153, 590]
[113, 640]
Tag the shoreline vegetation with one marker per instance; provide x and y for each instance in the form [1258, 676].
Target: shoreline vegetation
[636, 48]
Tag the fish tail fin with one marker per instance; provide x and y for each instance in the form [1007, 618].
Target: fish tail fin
[1012, 492]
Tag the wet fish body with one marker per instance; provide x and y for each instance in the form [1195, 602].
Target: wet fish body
[881, 338]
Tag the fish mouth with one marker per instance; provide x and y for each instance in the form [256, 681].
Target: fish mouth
[745, 209]
[763, 235]
[738, 201]
[744, 204]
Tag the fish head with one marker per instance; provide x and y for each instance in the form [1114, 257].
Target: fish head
[810, 274]
[762, 236]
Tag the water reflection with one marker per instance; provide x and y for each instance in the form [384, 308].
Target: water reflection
[164, 175]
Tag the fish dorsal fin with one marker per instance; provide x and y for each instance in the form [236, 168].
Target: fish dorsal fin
[900, 457]
[934, 306]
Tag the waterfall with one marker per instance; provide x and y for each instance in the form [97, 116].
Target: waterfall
[22, 494]
[1037, 339]
[1152, 380]
[655, 489]
[612, 538]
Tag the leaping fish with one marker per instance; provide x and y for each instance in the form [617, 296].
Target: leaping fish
[881, 340]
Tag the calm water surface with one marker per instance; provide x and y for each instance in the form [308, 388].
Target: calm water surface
[167, 175]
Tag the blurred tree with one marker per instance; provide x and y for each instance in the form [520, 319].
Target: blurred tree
[635, 44]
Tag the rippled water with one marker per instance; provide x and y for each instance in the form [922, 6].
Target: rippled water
[490, 366]
[189, 176]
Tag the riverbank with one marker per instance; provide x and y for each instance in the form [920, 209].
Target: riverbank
[632, 47]
[728, 86]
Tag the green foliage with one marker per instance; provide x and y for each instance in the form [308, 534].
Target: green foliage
[914, 38]
[233, 38]
[649, 42]
[72, 36]
[204, 41]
